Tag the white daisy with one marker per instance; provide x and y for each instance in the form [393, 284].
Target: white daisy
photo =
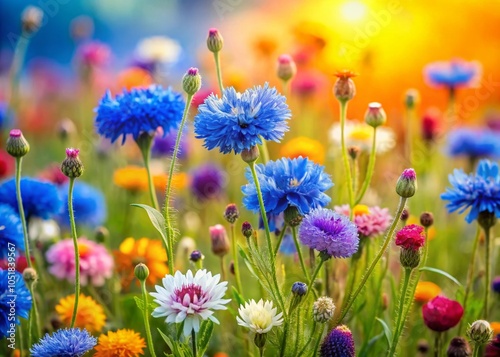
[190, 298]
[159, 49]
[260, 317]
[361, 135]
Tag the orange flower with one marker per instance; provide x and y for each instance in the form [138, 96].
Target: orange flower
[345, 74]
[426, 291]
[305, 147]
[132, 252]
[134, 77]
[135, 179]
[90, 314]
[495, 326]
[122, 343]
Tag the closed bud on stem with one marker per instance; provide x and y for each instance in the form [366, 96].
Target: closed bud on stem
[286, 68]
[299, 290]
[101, 234]
[353, 152]
[459, 347]
[31, 19]
[72, 166]
[426, 219]
[215, 42]
[323, 309]
[480, 332]
[191, 82]
[195, 256]
[409, 258]
[141, 271]
[220, 242]
[30, 275]
[407, 183]
[411, 98]
[375, 115]
[405, 215]
[250, 155]
[486, 219]
[246, 229]
[292, 216]
[231, 213]
[17, 145]
[344, 89]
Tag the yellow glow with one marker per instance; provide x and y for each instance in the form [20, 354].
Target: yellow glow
[353, 10]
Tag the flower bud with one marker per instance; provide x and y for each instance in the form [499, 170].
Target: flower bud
[30, 275]
[185, 246]
[215, 42]
[72, 166]
[196, 256]
[423, 346]
[409, 258]
[344, 88]
[299, 291]
[220, 242]
[405, 215]
[17, 145]
[250, 155]
[459, 347]
[141, 271]
[375, 115]
[480, 332]
[411, 98]
[31, 19]
[231, 213]
[323, 309]
[191, 82]
[353, 152]
[426, 219]
[385, 301]
[292, 216]
[231, 267]
[486, 219]
[246, 229]
[101, 234]
[286, 67]
[407, 183]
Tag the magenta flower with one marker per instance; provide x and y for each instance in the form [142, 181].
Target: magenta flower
[93, 54]
[441, 314]
[411, 237]
[96, 264]
[370, 224]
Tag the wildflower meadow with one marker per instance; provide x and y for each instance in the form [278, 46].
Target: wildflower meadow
[200, 193]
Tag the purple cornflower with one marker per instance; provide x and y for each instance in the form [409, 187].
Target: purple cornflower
[495, 285]
[329, 232]
[338, 342]
[207, 182]
[163, 146]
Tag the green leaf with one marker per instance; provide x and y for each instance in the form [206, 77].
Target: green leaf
[204, 335]
[168, 340]
[155, 217]
[387, 330]
[239, 299]
[140, 304]
[443, 273]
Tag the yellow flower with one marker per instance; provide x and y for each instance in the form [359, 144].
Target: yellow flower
[304, 147]
[426, 291]
[361, 135]
[135, 179]
[360, 210]
[90, 314]
[132, 252]
[122, 343]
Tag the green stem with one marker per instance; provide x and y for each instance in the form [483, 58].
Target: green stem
[21, 211]
[280, 239]
[146, 156]
[398, 328]
[408, 135]
[470, 275]
[353, 272]
[33, 319]
[487, 262]
[313, 277]
[219, 72]
[299, 251]
[301, 352]
[193, 341]
[77, 253]
[284, 340]
[146, 319]
[264, 150]
[297, 333]
[350, 300]
[15, 70]
[316, 346]
[371, 168]
[222, 268]
[168, 224]
[347, 169]
[477, 348]
[437, 344]
[235, 261]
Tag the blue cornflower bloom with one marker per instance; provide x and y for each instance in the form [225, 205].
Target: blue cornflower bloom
[237, 121]
[40, 198]
[474, 143]
[452, 74]
[478, 191]
[287, 182]
[139, 110]
[328, 231]
[287, 246]
[88, 203]
[11, 231]
[64, 343]
[21, 304]
[207, 182]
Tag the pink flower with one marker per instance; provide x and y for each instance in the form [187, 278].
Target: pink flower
[93, 54]
[410, 237]
[96, 264]
[370, 224]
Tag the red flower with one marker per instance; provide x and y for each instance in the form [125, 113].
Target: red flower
[6, 164]
[430, 124]
[410, 237]
[440, 314]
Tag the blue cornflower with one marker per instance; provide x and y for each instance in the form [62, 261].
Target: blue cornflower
[14, 296]
[88, 203]
[237, 121]
[11, 231]
[64, 343]
[287, 246]
[480, 191]
[452, 74]
[287, 182]
[328, 231]
[207, 182]
[40, 198]
[3, 114]
[338, 342]
[139, 110]
[474, 143]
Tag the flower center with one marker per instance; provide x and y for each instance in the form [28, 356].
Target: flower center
[189, 296]
[83, 249]
[260, 318]
[360, 210]
[361, 133]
